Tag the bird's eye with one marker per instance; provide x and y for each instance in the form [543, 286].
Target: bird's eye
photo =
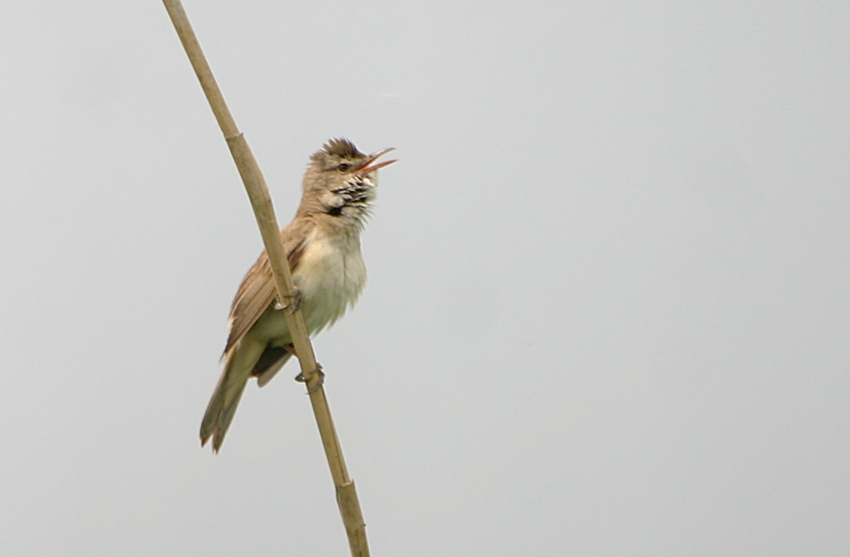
[343, 167]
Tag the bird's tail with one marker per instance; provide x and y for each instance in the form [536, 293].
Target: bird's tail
[238, 363]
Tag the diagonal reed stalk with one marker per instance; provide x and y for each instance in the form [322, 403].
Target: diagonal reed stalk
[258, 192]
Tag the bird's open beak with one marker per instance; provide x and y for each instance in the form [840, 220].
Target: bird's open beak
[369, 165]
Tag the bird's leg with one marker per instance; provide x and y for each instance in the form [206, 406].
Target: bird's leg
[293, 302]
[318, 371]
[301, 378]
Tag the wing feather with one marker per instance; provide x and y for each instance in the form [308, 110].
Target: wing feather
[258, 291]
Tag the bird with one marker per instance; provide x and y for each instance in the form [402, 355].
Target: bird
[322, 247]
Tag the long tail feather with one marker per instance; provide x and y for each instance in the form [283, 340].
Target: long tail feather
[238, 363]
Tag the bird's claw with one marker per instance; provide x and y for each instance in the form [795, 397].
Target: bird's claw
[321, 378]
[293, 302]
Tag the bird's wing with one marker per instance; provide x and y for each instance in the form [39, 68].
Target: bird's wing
[258, 289]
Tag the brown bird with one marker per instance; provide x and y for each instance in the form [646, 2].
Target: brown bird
[322, 245]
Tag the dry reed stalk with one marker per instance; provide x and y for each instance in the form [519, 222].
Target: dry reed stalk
[258, 193]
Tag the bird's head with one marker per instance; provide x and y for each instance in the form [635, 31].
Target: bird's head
[342, 180]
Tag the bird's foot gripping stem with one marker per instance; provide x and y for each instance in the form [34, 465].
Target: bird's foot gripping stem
[293, 302]
[318, 373]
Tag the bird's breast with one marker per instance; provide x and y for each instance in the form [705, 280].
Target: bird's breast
[330, 276]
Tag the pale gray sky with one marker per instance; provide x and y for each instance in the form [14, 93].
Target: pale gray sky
[608, 307]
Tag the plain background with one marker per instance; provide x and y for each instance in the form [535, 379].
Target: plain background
[608, 307]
